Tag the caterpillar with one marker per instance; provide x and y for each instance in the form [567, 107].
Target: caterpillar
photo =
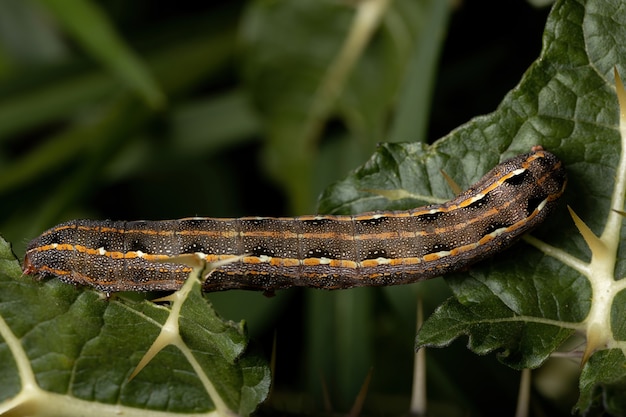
[320, 251]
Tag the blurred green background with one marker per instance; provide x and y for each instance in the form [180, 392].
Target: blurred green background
[157, 110]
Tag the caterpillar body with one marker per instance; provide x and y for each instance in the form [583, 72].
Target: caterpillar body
[321, 251]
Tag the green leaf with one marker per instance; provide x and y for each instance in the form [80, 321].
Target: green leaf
[602, 383]
[302, 81]
[87, 145]
[71, 349]
[90, 27]
[528, 300]
[326, 76]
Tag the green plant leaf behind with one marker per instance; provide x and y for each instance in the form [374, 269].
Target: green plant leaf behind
[526, 302]
[111, 142]
[326, 77]
[304, 79]
[89, 26]
[70, 350]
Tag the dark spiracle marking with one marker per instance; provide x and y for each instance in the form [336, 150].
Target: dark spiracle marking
[376, 253]
[194, 247]
[104, 243]
[430, 217]
[479, 203]
[518, 179]
[438, 247]
[492, 227]
[374, 221]
[533, 203]
[137, 246]
[320, 253]
[259, 251]
[54, 238]
[317, 222]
